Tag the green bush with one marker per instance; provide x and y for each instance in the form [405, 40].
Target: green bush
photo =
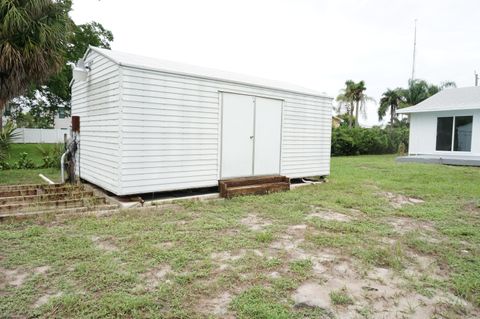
[24, 162]
[361, 141]
[51, 155]
[7, 134]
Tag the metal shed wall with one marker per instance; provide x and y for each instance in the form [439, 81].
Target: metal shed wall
[171, 131]
[158, 131]
[97, 102]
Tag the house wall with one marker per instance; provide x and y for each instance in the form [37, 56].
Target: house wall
[97, 102]
[170, 131]
[423, 132]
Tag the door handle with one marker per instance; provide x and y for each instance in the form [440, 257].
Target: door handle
[252, 137]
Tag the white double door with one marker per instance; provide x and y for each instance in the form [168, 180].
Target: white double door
[251, 135]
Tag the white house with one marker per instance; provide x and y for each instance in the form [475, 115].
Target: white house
[446, 125]
[148, 125]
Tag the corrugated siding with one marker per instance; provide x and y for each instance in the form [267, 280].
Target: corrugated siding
[97, 102]
[171, 131]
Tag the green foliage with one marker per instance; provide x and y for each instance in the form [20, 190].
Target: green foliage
[34, 35]
[353, 98]
[24, 162]
[420, 90]
[362, 141]
[43, 98]
[7, 134]
[51, 155]
[391, 101]
[341, 297]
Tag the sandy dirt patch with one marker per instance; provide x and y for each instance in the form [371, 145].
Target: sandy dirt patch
[330, 215]
[254, 222]
[399, 200]
[15, 277]
[156, 275]
[404, 225]
[216, 306]
[380, 292]
[104, 244]
[46, 298]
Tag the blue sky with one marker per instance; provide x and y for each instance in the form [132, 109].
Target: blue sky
[316, 44]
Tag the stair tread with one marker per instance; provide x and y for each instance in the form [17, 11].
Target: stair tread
[257, 185]
[66, 210]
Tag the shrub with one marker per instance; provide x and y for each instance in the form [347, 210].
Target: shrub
[360, 141]
[7, 134]
[24, 162]
[51, 155]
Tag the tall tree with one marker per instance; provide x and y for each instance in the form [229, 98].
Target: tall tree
[420, 90]
[359, 98]
[345, 101]
[43, 101]
[33, 38]
[391, 100]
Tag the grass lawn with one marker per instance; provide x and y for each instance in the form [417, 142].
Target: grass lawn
[380, 239]
[28, 176]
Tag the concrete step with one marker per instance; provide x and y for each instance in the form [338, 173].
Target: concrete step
[103, 208]
[63, 203]
[45, 197]
[259, 189]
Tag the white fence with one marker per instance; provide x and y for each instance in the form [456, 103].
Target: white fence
[40, 135]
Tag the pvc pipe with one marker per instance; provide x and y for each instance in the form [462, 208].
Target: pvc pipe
[46, 179]
[62, 165]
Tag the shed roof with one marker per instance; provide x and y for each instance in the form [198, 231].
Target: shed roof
[466, 98]
[137, 61]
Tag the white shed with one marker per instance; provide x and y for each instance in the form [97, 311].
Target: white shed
[446, 125]
[148, 125]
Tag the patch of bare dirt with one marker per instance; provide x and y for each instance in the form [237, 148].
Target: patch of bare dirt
[156, 275]
[104, 244]
[15, 277]
[46, 298]
[217, 306]
[254, 222]
[378, 291]
[421, 265]
[399, 200]
[330, 215]
[404, 225]
[42, 270]
[224, 258]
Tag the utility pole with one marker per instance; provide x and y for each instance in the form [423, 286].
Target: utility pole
[476, 77]
[414, 50]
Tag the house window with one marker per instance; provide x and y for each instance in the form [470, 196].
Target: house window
[454, 130]
[61, 112]
[444, 133]
[463, 133]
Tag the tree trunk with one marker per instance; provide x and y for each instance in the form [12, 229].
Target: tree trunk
[2, 108]
[350, 115]
[392, 115]
[356, 113]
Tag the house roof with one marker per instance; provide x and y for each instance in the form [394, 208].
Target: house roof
[466, 98]
[137, 61]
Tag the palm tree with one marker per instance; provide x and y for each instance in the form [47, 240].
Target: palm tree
[33, 37]
[353, 99]
[360, 99]
[345, 101]
[391, 100]
[420, 90]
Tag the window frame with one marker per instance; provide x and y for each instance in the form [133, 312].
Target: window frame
[452, 145]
